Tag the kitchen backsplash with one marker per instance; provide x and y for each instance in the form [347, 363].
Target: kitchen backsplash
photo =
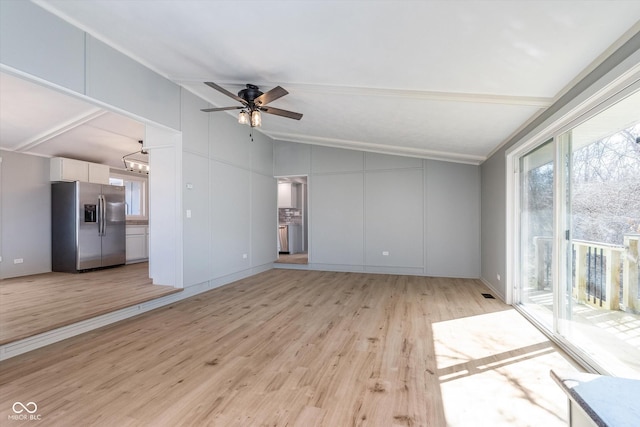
[289, 216]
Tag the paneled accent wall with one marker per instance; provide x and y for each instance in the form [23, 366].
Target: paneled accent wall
[230, 194]
[387, 214]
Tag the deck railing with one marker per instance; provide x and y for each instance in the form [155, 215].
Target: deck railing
[604, 275]
[596, 278]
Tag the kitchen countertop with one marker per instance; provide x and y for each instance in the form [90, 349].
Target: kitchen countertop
[137, 222]
[608, 401]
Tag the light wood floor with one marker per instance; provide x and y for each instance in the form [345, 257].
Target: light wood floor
[301, 258]
[302, 348]
[34, 304]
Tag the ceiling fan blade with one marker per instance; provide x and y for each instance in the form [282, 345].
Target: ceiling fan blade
[283, 113]
[226, 92]
[272, 95]
[210, 110]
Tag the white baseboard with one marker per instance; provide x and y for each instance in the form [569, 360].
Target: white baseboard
[347, 268]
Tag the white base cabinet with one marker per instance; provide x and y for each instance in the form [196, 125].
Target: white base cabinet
[137, 244]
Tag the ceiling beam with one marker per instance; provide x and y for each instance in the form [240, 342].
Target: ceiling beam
[392, 150]
[482, 98]
[60, 129]
[426, 95]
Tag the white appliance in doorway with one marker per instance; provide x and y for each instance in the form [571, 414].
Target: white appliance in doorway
[289, 239]
[292, 215]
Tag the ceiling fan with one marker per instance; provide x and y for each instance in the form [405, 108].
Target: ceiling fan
[253, 102]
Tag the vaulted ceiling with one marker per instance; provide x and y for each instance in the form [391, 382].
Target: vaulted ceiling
[448, 80]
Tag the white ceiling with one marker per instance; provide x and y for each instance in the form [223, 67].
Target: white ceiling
[39, 120]
[436, 79]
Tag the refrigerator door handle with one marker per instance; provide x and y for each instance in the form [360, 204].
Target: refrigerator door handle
[104, 215]
[101, 215]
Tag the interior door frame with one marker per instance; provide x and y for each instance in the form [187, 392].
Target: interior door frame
[306, 209]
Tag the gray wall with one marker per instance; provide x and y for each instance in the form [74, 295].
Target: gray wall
[25, 214]
[76, 61]
[223, 178]
[230, 190]
[493, 222]
[424, 213]
[494, 197]
[453, 219]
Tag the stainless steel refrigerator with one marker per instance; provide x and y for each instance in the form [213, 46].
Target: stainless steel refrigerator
[87, 226]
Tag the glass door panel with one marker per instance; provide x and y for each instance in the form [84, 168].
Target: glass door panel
[536, 233]
[600, 313]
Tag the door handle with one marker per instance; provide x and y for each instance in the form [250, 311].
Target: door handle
[99, 215]
[103, 213]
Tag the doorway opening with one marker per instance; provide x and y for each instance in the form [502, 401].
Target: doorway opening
[293, 230]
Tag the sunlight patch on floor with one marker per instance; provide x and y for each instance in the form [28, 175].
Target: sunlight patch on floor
[494, 371]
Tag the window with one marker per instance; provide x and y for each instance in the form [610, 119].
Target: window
[135, 194]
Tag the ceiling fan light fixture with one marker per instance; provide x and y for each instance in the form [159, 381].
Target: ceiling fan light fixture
[256, 118]
[253, 101]
[243, 117]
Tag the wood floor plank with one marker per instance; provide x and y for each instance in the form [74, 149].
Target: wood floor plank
[34, 304]
[290, 347]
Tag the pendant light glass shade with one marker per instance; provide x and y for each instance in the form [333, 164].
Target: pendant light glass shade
[243, 117]
[256, 118]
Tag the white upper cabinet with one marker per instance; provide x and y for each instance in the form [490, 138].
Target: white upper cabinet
[287, 195]
[62, 169]
[98, 173]
[69, 170]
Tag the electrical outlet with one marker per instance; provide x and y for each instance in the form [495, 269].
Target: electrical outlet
[385, 253]
[498, 277]
[188, 213]
[18, 261]
[244, 256]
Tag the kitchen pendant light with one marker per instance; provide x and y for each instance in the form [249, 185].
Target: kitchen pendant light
[136, 165]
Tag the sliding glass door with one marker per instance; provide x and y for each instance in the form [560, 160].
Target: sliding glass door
[536, 228]
[579, 228]
[604, 224]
